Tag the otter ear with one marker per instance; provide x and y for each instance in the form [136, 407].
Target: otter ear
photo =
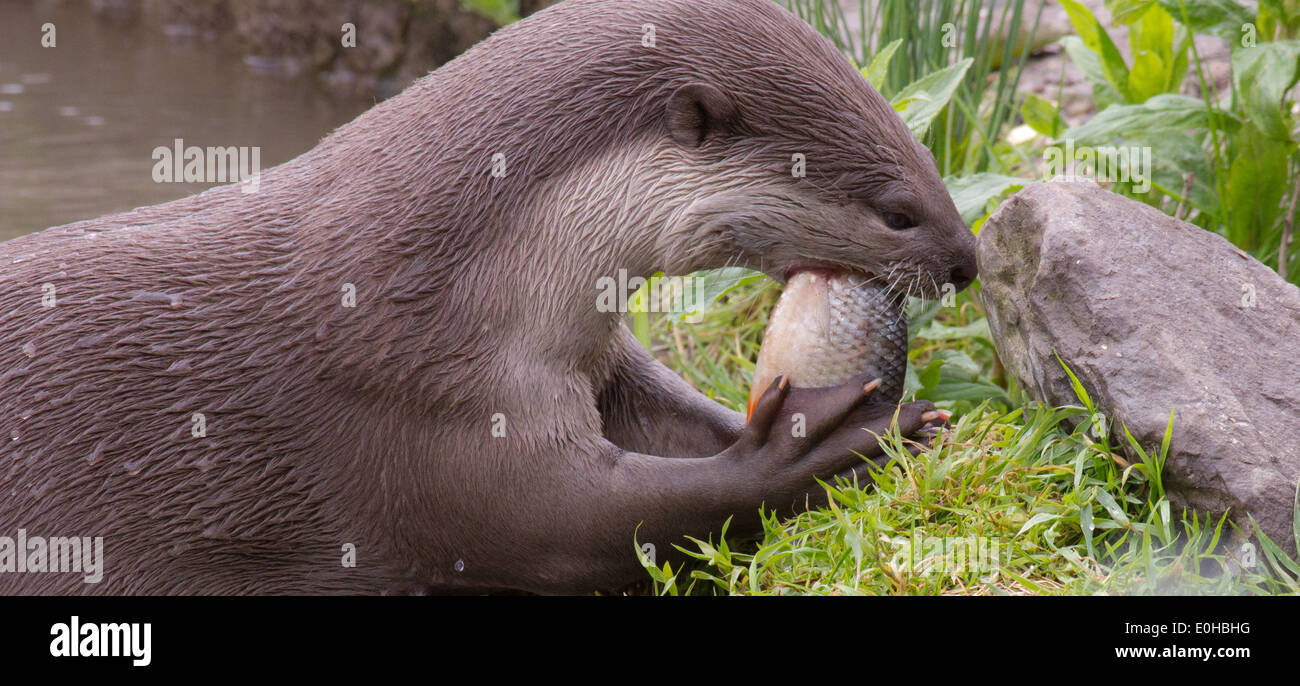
[697, 110]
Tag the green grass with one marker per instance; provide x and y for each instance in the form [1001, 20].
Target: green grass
[1066, 509]
[1068, 513]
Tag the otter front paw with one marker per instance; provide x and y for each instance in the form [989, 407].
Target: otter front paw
[797, 435]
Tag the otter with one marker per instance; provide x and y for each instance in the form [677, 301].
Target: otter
[385, 371]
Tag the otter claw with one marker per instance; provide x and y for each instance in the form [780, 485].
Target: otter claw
[941, 416]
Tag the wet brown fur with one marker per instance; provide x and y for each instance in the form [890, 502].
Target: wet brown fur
[372, 425]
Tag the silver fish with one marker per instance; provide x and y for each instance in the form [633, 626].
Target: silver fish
[829, 327]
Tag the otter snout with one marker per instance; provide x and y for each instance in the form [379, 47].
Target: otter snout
[959, 268]
[963, 273]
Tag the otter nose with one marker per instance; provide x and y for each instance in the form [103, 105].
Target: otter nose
[963, 274]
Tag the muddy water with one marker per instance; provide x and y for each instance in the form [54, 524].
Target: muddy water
[79, 121]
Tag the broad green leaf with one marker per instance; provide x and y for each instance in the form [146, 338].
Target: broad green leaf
[911, 381]
[935, 331]
[1152, 41]
[1222, 18]
[927, 96]
[920, 313]
[1147, 78]
[1102, 92]
[953, 375]
[1179, 154]
[1257, 180]
[1042, 116]
[1125, 12]
[1262, 75]
[876, 72]
[715, 283]
[929, 377]
[959, 365]
[1161, 113]
[1094, 36]
[1268, 18]
[971, 391]
[1154, 32]
[1277, 6]
[972, 193]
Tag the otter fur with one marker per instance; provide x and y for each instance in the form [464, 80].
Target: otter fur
[203, 394]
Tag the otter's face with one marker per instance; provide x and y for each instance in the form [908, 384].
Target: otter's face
[851, 191]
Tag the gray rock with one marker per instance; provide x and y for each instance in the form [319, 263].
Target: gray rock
[1154, 314]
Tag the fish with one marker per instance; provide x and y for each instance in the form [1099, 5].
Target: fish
[829, 327]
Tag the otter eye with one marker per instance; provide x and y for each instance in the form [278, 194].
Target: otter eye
[898, 221]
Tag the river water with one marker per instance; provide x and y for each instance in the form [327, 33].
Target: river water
[79, 121]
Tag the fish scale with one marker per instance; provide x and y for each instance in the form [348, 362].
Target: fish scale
[828, 328]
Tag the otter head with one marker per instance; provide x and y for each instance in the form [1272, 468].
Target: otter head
[678, 135]
[800, 163]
